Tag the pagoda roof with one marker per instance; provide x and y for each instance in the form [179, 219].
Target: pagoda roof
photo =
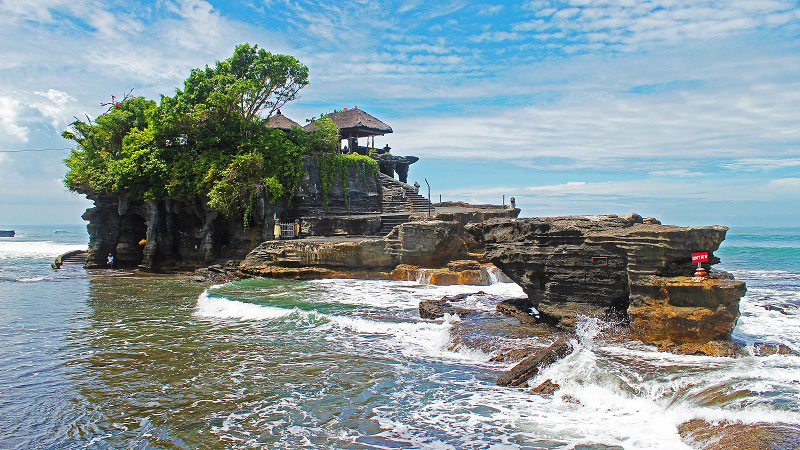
[281, 122]
[355, 122]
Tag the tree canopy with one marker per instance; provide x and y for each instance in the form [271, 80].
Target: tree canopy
[209, 139]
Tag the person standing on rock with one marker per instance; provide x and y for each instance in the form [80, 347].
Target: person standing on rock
[110, 261]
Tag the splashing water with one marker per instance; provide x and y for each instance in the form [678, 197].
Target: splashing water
[91, 360]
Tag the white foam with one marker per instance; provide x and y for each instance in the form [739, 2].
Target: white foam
[611, 392]
[415, 338]
[34, 249]
[404, 295]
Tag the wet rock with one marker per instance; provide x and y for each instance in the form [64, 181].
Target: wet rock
[767, 349]
[547, 388]
[442, 277]
[733, 436]
[519, 308]
[511, 355]
[530, 366]
[434, 309]
[430, 243]
[680, 310]
[218, 273]
[463, 264]
[725, 348]
[775, 308]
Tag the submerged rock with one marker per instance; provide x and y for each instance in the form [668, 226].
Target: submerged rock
[616, 266]
[729, 436]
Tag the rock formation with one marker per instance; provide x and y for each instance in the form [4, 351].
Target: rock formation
[433, 244]
[618, 267]
[171, 234]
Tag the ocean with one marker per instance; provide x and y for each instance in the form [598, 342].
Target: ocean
[107, 359]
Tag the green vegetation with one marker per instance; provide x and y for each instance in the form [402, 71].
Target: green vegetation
[207, 140]
[333, 166]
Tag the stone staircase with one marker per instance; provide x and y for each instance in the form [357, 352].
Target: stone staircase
[389, 221]
[399, 197]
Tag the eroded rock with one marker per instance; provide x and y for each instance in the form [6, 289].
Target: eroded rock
[612, 266]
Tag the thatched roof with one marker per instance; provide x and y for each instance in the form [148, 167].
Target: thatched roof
[281, 122]
[355, 122]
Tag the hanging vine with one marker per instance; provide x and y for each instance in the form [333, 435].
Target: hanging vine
[334, 166]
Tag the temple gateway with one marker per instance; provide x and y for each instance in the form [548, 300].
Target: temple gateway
[354, 124]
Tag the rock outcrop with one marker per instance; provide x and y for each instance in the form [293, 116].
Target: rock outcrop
[171, 234]
[618, 267]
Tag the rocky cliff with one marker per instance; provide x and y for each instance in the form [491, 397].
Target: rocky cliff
[617, 267]
[170, 234]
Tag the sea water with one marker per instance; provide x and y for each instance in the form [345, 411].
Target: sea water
[106, 359]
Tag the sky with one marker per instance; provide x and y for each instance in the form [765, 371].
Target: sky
[683, 110]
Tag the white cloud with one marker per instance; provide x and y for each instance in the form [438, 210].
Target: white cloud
[754, 164]
[785, 185]
[680, 173]
[9, 117]
[58, 106]
[593, 25]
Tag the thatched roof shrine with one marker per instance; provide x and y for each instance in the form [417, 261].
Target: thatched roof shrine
[281, 122]
[355, 123]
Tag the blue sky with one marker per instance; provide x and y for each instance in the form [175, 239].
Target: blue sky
[686, 110]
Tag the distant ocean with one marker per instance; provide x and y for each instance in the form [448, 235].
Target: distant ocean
[106, 359]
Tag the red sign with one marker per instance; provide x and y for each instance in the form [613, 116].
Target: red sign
[698, 258]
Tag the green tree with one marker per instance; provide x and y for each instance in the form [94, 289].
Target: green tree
[206, 140]
[250, 82]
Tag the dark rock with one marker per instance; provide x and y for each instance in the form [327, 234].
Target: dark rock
[460, 297]
[775, 308]
[170, 234]
[329, 225]
[434, 309]
[519, 308]
[530, 366]
[362, 196]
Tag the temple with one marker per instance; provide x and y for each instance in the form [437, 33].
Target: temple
[355, 124]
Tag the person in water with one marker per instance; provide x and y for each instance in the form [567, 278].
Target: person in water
[110, 261]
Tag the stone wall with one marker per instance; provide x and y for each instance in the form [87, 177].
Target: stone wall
[363, 194]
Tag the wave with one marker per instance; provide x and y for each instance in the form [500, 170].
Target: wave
[415, 338]
[35, 249]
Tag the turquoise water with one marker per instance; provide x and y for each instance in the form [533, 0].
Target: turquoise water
[103, 359]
